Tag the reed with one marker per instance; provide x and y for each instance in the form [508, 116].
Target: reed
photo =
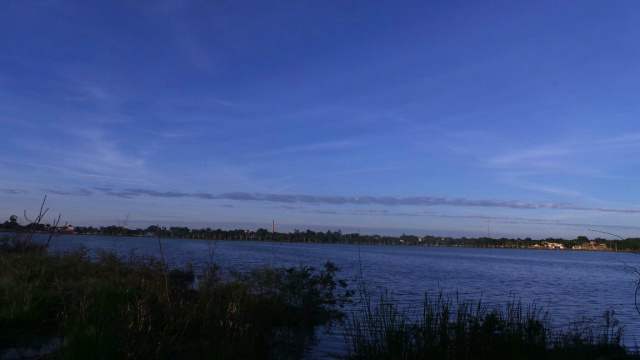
[107, 307]
[448, 327]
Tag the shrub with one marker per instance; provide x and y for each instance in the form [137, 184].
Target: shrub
[108, 307]
[456, 329]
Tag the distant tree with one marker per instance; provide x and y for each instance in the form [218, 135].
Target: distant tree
[262, 234]
[153, 229]
[12, 224]
[179, 232]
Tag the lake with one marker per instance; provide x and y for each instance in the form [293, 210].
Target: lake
[570, 284]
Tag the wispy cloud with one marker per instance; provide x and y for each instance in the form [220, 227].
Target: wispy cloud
[322, 146]
[93, 154]
[553, 168]
[519, 179]
[176, 134]
[568, 157]
[334, 174]
[359, 200]
[286, 207]
[89, 86]
[539, 157]
[130, 193]
[322, 212]
[97, 145]
[84, 192]
[14, 191]
[625, 140]
[493, 219]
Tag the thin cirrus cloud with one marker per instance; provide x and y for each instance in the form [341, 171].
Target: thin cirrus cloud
[546, 159]
[541, 156]
[357, 200]
[496, 219]
[84, 192]
[625, 141]
[324, 146]
[569, 156]
[14, 191]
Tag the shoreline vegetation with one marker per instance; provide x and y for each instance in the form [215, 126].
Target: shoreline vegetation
[309, 236]
[72, 306]
[581, 243]
[76, 306]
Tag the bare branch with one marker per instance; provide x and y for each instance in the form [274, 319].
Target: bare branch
[603, 232]
[35, 223]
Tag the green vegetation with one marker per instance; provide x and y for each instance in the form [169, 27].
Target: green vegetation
[448, 330]
[109, 308]
[328, 237]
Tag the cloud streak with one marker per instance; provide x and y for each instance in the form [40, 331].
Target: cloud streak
[357, 200]
[84, 192]
[324, 146]
[14, 191]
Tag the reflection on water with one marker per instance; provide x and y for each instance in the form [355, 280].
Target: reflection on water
[570, 284]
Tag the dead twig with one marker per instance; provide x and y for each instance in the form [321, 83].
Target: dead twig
[164, 267]
[34, 224]
[54, 232]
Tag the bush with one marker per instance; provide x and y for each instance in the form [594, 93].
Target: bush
[448, 329]
[108, 307]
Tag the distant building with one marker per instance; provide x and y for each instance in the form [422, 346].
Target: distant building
[67, 230]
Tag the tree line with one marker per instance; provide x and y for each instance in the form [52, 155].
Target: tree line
[328, 237]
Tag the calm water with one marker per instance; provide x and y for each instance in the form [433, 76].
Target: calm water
[570, 284]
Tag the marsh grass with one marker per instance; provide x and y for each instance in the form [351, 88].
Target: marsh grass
[450, 328]
[109, 308]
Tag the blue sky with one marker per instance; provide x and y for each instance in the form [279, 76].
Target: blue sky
[431, 117]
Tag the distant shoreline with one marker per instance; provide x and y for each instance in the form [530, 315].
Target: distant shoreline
[376, 240]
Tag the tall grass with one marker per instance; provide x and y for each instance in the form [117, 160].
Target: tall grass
[107, 307]
[112, 308]
[451, 328]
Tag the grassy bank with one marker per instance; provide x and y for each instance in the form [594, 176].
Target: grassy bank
[448, 328]
[110, 308]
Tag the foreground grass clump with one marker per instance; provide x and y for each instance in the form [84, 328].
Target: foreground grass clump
[449, 328]
[110, 308]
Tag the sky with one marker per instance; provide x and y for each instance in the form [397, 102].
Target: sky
[447, 118]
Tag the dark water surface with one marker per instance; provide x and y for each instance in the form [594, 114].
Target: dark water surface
[570, 284]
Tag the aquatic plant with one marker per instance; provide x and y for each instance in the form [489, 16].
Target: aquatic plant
[448, 327]
[109, 307]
